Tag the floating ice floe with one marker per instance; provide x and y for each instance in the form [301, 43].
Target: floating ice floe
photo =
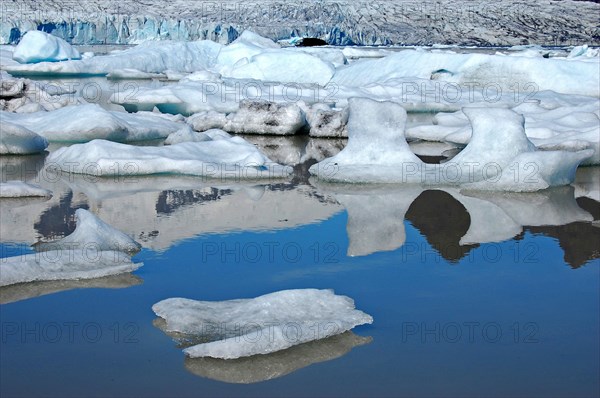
[129, 73]
[149, 57]
[263, 325]
[94, 250]
[81, 123]
[37, 46]
[17, 140]
[20, 189]
[92, 232]
[232, 158]
[64, 265]
[498, 157]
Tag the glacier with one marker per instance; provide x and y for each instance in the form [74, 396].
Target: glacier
[337, 22]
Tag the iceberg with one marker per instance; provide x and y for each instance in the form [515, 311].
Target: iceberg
[81, 123]
[17, 140]
[284, 66]
[91, 232]
[232, 158]
[93, 250]
[20, 189]
[37, 46]
[263, 325]
[498, 157]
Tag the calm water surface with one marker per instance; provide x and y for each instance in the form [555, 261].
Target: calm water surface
[472, 294]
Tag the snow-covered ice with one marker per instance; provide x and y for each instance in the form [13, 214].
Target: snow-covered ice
[91, 232]
[232, 158]
[266, 324]
[498, 157]
[188, 135]
[37, 46]
[20, 189]
[17, 140]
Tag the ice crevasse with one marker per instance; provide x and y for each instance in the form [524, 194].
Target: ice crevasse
[499, 155]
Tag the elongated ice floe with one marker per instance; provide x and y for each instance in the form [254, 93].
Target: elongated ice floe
[232, 158]
[81, 123]
[20, 189]
[92, 232]
[263, 325]
[149, 57]
[498, 157]
[64, 264]
[17, 140]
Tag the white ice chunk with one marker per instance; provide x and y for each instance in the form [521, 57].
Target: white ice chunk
[37, 46]
[81, 123]
[266, 324]
[92, 233]
[231, 158]
[64, 265]
[20, 189]
[17, 140]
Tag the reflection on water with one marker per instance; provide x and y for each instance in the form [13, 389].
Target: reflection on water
[259, 368]
[24, 291]
[162, 210]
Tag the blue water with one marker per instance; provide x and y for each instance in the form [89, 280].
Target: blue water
[507, 319]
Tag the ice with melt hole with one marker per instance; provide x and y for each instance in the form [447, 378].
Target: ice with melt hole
[94, 233]
[20, 189]
[93, 250]
[37, 46]
[262, 325]
[226, 158]
[498, 157]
